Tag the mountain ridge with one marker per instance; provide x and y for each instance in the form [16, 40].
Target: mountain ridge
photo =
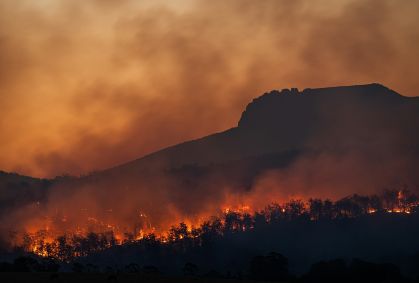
[250, 113]
[375, 92]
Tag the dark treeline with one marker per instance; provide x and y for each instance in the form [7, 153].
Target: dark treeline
[270, 267]
[375, 230]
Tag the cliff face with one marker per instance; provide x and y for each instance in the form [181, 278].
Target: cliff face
[289, 105]
[334, 117]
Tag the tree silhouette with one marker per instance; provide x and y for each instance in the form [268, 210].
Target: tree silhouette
[315, 208]
[232, 221]
[294, 208]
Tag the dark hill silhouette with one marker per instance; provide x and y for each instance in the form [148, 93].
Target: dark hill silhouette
[280, 121]
[16, 190]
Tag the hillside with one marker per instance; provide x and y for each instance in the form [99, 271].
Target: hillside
[285, 120]
[328, 142]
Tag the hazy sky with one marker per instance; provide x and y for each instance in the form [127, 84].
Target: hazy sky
[88, 84]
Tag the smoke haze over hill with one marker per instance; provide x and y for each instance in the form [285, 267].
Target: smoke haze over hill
[326, 143]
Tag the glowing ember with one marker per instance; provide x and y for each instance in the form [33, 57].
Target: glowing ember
[64, 238]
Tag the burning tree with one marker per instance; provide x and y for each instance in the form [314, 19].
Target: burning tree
[69, 245]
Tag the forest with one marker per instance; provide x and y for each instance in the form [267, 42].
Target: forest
[296, 240]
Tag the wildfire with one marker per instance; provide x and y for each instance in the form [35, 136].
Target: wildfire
[80, 238]
[237, 209]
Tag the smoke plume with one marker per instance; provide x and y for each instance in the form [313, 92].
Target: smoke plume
[86, 85]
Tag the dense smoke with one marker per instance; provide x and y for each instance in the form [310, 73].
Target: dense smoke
[85, 85]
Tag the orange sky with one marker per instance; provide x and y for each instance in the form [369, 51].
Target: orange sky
[85, 85]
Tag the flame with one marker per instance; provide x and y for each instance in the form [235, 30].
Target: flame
[49, 235]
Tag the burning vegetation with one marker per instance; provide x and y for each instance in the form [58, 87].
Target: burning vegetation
[65, 239]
